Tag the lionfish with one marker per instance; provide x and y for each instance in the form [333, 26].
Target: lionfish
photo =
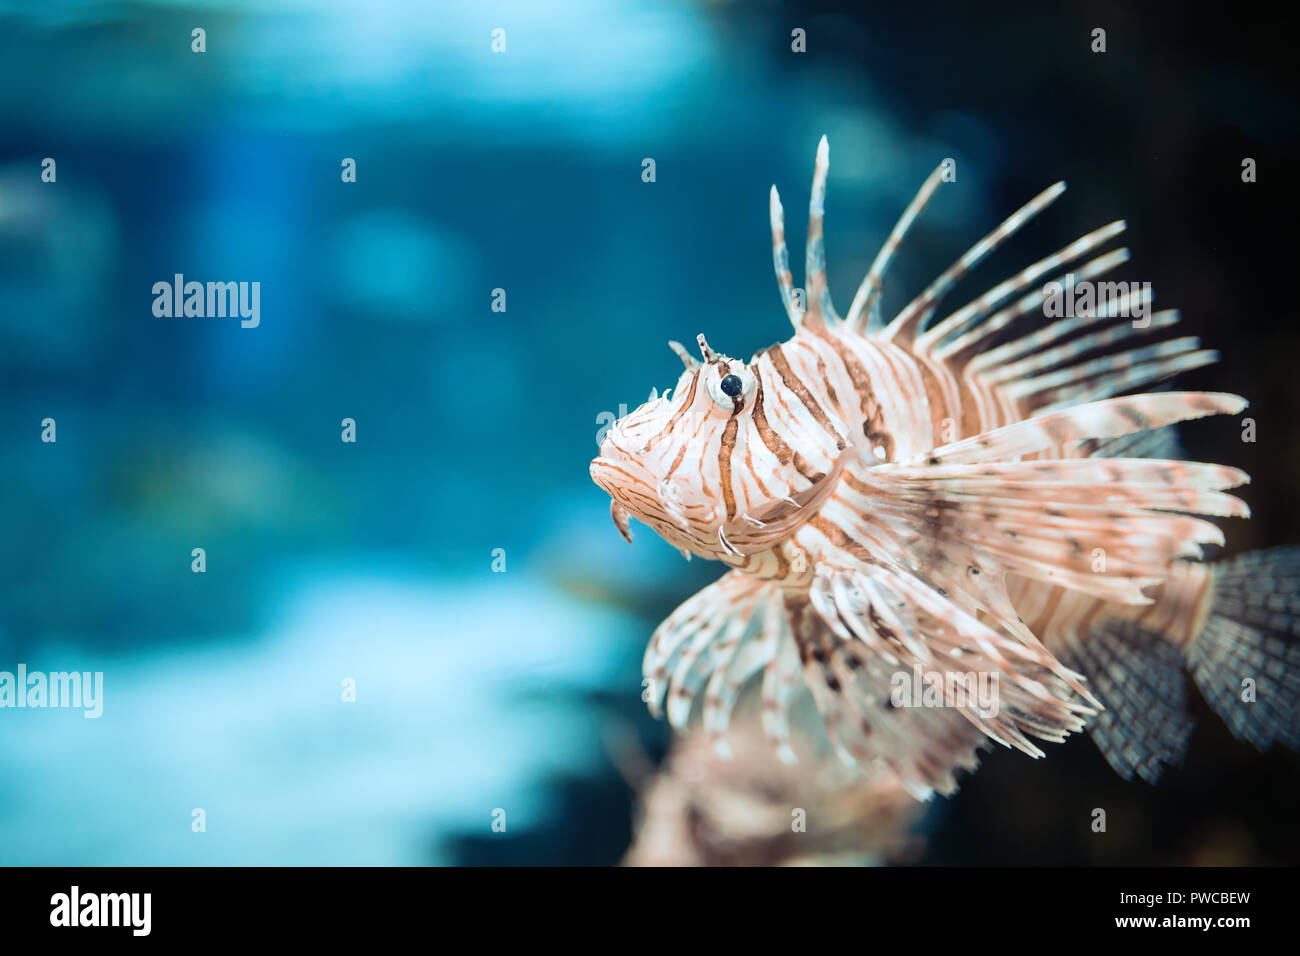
[955, 498]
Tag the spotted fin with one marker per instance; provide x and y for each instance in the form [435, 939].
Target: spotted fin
[853, 684]
[1246, 659]
[1046, 520]
[741, 629]
[1138, 676]
[907, 626]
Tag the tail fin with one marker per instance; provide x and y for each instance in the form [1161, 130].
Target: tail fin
[1138, 676]
[1252, 634]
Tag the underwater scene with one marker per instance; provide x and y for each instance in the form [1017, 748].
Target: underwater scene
[328, 334]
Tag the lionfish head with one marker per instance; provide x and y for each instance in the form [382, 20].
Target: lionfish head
[687, 463]
[706, 465]
[662, 463]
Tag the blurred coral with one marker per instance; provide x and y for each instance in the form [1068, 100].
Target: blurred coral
[702, 809]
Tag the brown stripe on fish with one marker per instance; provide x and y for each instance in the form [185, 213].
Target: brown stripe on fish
[677, 415]
[1133, 415]
[944, 402]
[770, 436]
[872, 413]
[795, 385]
[782, 564]
[838, 537]
[1041, 623]
[775, 444]
[725, 452]
[753, 473]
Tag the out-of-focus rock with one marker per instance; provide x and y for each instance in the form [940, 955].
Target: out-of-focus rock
[753, 810]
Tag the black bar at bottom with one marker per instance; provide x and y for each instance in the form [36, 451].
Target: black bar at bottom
[908, 904]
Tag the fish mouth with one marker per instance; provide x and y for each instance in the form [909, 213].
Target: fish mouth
[604, 472]
[746, 534]
[637, 492]
[610, 476]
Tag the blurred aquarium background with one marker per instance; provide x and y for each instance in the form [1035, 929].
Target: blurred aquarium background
[479, 691]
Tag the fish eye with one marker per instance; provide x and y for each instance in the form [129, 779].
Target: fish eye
[731, 389]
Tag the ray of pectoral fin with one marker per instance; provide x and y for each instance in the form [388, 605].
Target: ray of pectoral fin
[1106, 527]
[1110, 418]
[890, 612]
[752, 533]
[965, 516]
